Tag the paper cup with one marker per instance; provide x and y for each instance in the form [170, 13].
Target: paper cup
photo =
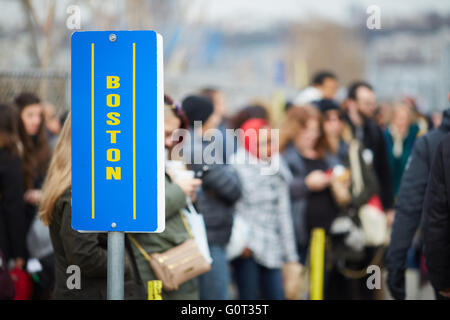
[183, 175]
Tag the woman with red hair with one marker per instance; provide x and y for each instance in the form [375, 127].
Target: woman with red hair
[265, 209]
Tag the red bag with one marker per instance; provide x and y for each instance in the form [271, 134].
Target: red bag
[376, 202]
[23, 284]
[373, 222]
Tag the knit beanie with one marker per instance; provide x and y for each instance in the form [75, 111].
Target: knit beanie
[197, 108]
[325, 105]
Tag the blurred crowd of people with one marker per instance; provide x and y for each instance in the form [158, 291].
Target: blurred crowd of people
[356, 169]
[28, 132]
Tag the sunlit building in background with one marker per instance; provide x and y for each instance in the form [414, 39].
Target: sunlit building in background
[411, 58]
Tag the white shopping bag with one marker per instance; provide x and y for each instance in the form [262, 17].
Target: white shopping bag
[240, 237]
[198, 230]
[373, 222]
[38, 240]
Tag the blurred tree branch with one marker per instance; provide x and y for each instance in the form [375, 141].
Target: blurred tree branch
[32, 26]
[36, 28]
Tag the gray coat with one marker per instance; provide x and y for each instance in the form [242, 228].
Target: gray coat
[265, 207]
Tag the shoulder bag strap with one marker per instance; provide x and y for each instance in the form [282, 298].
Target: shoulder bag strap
[145, 254]
[186, 224]
[139, 247]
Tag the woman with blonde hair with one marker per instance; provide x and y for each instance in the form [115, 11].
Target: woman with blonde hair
[88, 251]
[400, 136]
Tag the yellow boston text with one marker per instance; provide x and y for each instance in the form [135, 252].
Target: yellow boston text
[113, 154]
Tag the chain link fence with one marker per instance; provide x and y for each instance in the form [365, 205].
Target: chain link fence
[51, 86]
[54, 87]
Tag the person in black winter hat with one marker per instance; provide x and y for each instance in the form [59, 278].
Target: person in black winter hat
[216, 198]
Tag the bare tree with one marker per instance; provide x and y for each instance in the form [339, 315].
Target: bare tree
[38, 29]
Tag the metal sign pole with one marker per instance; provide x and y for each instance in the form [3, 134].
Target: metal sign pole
[116, 256]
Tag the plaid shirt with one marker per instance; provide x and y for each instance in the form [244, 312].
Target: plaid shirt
[265, 206]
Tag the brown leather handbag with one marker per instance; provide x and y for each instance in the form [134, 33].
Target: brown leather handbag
[177, 265]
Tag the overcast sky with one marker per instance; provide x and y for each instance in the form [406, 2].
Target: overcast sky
[253, 14]
[259, 12]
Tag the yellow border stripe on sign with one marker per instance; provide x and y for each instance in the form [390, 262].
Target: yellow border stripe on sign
[134, 130]
[92, 128]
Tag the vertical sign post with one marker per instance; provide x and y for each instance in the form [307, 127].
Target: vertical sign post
[116, 254]
[117, 139]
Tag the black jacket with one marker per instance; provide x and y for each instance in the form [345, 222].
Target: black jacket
[221, 187]
[436, 222]
[12, 214]
[373, 139]
[216, 199]
[408, 210]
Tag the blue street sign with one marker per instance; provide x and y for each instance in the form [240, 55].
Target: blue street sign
[117, 131]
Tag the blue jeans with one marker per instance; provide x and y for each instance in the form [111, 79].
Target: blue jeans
[215, 284]
[255, 281]
[413, 259]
